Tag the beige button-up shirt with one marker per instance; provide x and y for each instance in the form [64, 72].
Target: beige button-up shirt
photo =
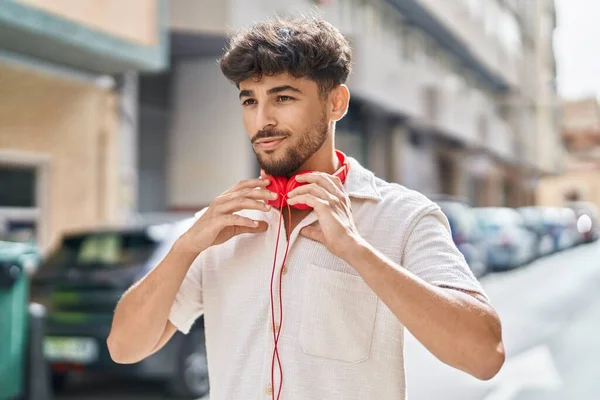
[338, 340]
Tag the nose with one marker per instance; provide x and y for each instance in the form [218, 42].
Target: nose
[264, 118]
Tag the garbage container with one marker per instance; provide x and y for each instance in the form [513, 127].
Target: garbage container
[13, 329]
[23, 370]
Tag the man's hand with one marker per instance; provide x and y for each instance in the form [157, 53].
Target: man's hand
[218, 224]
[325, 194]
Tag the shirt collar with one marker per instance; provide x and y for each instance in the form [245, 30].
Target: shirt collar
[360, 182]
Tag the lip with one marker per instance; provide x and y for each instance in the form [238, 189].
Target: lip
[269, 144]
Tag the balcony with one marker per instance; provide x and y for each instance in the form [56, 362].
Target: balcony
[80, 35]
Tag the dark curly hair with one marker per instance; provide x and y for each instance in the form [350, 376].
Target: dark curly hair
[303, 47]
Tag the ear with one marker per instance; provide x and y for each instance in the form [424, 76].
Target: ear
[339, 98]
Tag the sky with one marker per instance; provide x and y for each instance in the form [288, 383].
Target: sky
[577, 48]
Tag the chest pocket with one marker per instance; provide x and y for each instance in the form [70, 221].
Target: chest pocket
[338, 315]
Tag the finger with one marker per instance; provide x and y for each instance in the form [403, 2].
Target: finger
[337, 182]
[323, 180]
[313, 232]
[315, 190]
[241, 203]
[310, 200]
[239, 221]
[256, 194]
[261, 227]
[248, 183]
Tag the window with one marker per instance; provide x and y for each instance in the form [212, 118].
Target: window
[408, 43]
[475, 8]
[446, 175]
[431, 106]
[390, 21]
[17, 186]
[510, 33]
[483, 129]
[490, 17]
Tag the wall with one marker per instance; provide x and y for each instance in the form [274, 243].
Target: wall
[551, 191]
[208, 148]
[73, 124]
[219, 17]
[198, 16]
[550, 154]
[471, 30]
[133, 20]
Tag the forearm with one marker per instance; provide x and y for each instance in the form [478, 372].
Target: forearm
[141, 315]
[456, 327]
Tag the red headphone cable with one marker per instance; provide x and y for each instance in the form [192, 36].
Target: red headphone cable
[276, 332]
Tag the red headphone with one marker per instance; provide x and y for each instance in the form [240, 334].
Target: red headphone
[282, 185]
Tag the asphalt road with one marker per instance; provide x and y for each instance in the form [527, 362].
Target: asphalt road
[550, 312]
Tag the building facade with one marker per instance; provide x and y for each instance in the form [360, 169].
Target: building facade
[65, 93]
[453, 97]
[581, 178]
[122, 112]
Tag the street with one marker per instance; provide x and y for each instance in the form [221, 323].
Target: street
[550, 312]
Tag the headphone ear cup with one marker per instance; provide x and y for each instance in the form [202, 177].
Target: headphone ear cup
[292, 184]
[277, 185]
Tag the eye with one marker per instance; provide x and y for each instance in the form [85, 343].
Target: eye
[248, 102]
[284, 98]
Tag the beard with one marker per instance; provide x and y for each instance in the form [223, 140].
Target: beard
[295, 156]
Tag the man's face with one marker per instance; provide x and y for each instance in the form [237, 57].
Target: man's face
[286, 120]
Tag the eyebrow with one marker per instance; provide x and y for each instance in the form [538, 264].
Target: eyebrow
[277, 89]
[284, 88]
[246, 93]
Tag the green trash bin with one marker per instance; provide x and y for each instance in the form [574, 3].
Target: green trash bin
[16, 261]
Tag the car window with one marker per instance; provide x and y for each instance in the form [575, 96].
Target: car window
[173, 232]
[101, 250]
[494, 219]
[462, 219]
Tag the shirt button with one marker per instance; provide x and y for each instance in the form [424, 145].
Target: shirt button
[284, 270]
[276, 328]
[269, 389]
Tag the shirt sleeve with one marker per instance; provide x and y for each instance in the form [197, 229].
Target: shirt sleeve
[188, 305]
[431, 254]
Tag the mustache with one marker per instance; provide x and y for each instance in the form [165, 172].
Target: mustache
[269, 134]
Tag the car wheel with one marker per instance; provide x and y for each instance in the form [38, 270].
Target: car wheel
[59, 381]
[190, 380]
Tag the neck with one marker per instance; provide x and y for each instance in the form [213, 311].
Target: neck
[324, 160]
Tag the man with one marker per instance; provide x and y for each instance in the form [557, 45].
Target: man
[369, 259]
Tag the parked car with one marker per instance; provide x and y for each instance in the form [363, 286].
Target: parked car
[572, 235]
[558, 226]
[17, 260]
[534, 221]
[81, 282]
[466, 234]
[510, 243]
[591, 210]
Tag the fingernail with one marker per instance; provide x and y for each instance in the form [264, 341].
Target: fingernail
[273, 195]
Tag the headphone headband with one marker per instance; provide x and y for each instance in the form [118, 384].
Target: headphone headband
[282, 185]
